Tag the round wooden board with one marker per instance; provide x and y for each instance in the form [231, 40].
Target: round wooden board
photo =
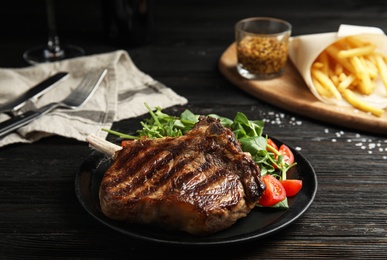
[291, 93]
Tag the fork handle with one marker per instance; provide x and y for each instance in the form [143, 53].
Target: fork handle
[16, 122]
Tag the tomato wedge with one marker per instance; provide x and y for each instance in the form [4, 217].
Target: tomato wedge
[274, 192]
[272, 144]
[125, 142]
[284, 150]
[292, 186]
[287, 154]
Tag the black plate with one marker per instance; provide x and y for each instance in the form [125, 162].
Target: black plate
[259, 223]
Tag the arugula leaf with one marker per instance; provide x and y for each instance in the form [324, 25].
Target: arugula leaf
[243, 127]
[186, 121]
[226, 122]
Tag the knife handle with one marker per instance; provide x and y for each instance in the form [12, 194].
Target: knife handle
[16, 122]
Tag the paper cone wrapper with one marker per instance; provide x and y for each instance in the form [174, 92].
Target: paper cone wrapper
[304, 49]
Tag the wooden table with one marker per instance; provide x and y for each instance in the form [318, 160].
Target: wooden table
[40, 216]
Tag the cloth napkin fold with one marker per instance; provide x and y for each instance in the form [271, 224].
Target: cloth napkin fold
[121, 95]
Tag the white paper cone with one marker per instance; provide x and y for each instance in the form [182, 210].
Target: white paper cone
[304, 49]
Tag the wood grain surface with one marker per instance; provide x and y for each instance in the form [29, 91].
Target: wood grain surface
[291, 93]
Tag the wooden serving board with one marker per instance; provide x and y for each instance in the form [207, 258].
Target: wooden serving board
[291, 93]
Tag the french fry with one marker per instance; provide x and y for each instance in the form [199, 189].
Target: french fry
[335, 79]
[350, 65]
[324, 60]
[382, 67]
[371, 68]
[366, 86]
[355, 42]
[326, 82]
[338, 69]
[321, 89]
[366, 50]
[356, 102]
[342, 76]
[333, 52]
[360, 70]
[345, 83]
[317, 65]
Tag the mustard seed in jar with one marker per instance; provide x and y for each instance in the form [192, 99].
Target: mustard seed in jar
[262, 47]
[262, 55]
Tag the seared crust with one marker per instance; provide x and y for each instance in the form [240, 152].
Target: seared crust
[200, 183]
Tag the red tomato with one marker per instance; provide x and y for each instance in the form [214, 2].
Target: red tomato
[274, 192]
[272, 144]
[287, 153]
[125, 142]
[292, 187]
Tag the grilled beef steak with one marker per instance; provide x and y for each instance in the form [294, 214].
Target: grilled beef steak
[200, 183]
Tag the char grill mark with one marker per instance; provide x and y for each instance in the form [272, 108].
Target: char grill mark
[152, 169]
[199, 183]
[190, 180]
[146, 162]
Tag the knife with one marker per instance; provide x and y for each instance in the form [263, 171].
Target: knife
[32, 94]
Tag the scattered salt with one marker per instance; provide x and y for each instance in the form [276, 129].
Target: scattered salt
[363, 143]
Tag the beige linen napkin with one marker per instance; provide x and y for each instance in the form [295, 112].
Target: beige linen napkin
[121, 95]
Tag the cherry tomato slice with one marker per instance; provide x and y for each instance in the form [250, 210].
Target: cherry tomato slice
[292, 186]
[274, 192]
[125, 142]
[272, 144]
[287, 153]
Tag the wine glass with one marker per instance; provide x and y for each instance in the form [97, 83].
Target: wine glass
[53, 51]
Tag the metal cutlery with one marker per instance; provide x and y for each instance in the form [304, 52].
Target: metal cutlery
[80, 95]
[32, 94]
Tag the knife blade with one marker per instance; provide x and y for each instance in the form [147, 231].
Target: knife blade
[32, 94]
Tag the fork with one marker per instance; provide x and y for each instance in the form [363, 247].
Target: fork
[77, 98]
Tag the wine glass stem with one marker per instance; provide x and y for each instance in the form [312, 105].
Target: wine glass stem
[53, 45]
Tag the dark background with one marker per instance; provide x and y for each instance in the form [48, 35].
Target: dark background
[82, 22]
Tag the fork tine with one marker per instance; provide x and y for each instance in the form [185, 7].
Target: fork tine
[85, 89]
